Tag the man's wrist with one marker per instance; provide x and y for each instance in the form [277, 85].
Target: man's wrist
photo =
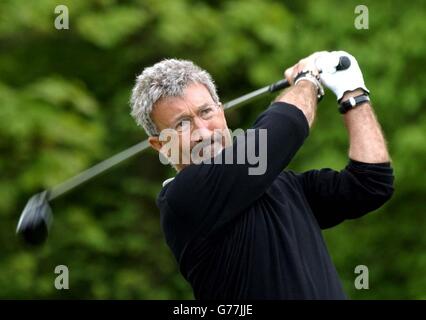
[309, 86]
[353, 100]
[314, 79]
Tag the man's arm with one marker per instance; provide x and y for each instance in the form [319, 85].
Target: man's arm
[303, 96]
[366, 183]
[221, 192]
[367, 143]
[208, 196]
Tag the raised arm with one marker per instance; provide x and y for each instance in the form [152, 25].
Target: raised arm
[210, 195]
[304, 93]
[219, 192]
[367, 142]
[366, 183]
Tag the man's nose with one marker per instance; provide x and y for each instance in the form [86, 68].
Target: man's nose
[201, 130]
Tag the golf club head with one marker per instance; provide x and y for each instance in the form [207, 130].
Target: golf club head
[35, 220]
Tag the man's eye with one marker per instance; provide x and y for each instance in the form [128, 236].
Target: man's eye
[181, 124]
[207, 111]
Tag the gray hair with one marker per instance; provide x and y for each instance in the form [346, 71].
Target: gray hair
[167, 78]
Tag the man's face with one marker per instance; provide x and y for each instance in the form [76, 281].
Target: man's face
[195, 118]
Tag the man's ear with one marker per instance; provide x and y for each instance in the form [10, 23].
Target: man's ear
[155, 143]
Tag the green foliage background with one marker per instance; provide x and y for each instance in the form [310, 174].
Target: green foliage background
[64, 107]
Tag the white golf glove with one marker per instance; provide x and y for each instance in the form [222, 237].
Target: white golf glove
[339, 81]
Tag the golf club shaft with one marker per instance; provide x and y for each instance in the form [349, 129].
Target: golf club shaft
[96, 170]
[257, 93]
[103, 166]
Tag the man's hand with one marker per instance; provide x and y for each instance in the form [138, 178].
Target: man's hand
[366, 139]
[306, 64]
[367, 143]
[339, 81]
[304, 94]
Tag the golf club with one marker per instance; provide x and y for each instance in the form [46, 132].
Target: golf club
[36, 218]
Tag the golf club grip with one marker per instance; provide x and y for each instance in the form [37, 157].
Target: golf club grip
[281, 84]
[344, 63]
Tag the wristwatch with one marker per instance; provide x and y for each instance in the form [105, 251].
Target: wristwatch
[352, 102]
[310, 76]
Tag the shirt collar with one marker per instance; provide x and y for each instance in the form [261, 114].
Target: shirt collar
[167, 181]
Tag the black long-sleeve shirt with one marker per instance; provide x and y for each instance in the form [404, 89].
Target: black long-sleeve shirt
[241, 236]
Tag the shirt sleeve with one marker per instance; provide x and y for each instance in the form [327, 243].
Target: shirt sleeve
[213, 194]
[351, 193]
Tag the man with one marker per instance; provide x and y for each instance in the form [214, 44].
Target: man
[258, 236]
